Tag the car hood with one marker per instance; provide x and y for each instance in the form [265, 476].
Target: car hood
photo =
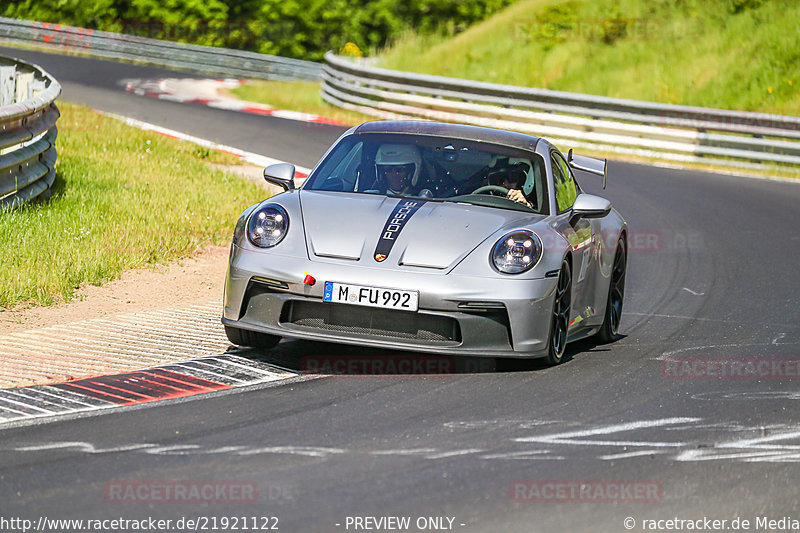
[354, 228]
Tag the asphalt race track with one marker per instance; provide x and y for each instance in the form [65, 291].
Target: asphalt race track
[711, 277]
[96, 83]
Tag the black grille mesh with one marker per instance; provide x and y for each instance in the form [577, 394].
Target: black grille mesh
[372, 322]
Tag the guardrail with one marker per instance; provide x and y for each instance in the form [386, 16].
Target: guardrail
[610, 125]
[28, 116]
[208, 59]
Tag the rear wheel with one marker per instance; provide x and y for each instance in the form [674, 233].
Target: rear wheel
[616, 293]
[560, 320]
[255, 339]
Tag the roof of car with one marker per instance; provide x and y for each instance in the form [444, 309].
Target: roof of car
[455, 131]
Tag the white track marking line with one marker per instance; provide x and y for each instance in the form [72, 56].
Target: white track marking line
[405, 451]
[693, 318]
[230, 105]
[250, 157]
[173, 449]
[536, 455]
[670, 353]
[759, 442]
[230, 359]
[455, 453]
[85, 400]
[627, 455]
[206, 92]
[175, 98]
[84, 447]
[569, 437]
[711, 455]
[310, 451]
[25, 405]
[783, 458]
[8, 412]
[210, 372]
[30, 396]
[779, 337]
[66, 396]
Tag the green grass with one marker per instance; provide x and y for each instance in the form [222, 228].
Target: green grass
[296, 96]
[734, 54]
[123, 198]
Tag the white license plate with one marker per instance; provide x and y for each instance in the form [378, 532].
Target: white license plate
[371, 296]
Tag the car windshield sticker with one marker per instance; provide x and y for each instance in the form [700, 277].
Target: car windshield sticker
[404, 210]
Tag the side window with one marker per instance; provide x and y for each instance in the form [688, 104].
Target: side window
[339, 174]
[540, 180]
[347, 169]
[570, 175]
[566, 191]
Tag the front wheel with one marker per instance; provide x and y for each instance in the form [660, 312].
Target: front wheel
[254, 339]
[560, 320]
[616, 292]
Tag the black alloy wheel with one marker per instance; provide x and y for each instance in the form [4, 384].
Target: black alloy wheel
[560, 321]
[616, 294]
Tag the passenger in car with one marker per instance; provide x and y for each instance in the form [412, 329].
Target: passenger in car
[512, 178]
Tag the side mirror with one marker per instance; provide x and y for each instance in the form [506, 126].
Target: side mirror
[280, 174]
[590, 206]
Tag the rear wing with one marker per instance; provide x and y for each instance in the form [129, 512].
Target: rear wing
[588, 164]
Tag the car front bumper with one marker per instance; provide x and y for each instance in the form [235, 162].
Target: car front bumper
[458, 315]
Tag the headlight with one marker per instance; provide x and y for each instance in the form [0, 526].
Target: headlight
[516, 252]
[267, 225]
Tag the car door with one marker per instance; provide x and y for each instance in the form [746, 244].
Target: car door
[580, 234]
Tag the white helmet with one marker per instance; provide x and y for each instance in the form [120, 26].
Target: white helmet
[398, 155]
[525, 165]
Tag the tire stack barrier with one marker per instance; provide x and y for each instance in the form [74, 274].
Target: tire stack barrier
[28, 131]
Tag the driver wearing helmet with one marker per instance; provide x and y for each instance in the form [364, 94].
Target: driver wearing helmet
[397, 167]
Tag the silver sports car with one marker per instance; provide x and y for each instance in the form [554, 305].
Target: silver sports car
[430, 237]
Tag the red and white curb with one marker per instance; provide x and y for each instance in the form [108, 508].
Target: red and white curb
[183, 351]
[165, 382]
[205, 92]
[259, 160]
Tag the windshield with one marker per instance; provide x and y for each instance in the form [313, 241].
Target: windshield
[434, 168]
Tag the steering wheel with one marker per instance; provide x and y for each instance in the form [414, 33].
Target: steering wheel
[490, 189]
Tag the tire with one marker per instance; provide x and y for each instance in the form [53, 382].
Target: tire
[616, 295]
[255, 339]
[559, 323]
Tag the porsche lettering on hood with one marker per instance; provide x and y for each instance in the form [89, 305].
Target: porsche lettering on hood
[402, 212]
[359, 227]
